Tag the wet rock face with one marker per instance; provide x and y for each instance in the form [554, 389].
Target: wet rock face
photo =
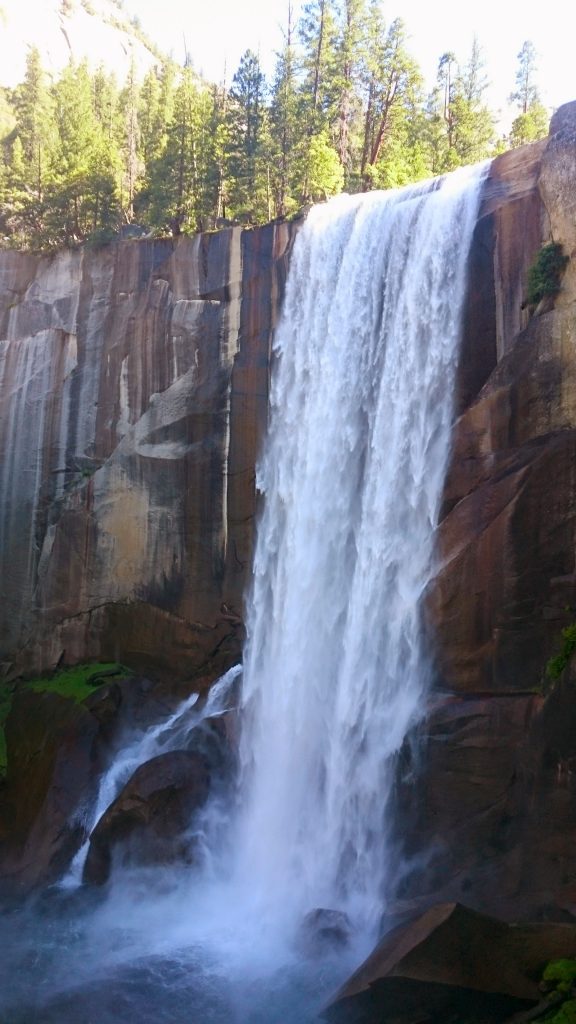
[149, 821]
[487, 809]
[53, 746]
[133, 397]
[451, 964]
[57, 749]
[506, 583]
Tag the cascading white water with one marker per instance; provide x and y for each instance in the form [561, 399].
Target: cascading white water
[336, 663]
[171, 734]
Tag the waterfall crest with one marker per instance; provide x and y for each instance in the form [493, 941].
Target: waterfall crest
[336, 665]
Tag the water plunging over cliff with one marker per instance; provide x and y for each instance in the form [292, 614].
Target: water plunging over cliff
[337, 661]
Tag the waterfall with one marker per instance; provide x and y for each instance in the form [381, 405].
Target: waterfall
[337, 664]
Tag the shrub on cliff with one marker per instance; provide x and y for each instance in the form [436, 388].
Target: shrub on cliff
[545, 274]
[558, 663]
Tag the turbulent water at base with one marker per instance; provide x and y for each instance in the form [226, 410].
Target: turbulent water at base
[336, 664]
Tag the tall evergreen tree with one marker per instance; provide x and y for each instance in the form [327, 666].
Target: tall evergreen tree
[177, 194]
[244, 149]
[393, 87]
[286, 134]
[132, 168]
[526, 92]
[532, 121]
[84, 194]
[156, 107]
[318, 31]
[351, 52]
[35, 125]
[460, 127]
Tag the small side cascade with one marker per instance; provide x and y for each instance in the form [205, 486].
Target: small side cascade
[170, 734]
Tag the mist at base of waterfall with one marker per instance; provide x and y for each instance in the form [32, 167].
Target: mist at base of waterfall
[161, 946]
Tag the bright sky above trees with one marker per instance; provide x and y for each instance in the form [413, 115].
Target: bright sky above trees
[218, 32]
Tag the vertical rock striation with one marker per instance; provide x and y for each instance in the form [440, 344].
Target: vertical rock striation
[133, 391]
[488, 813]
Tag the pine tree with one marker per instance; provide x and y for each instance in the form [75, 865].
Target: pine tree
[350, 54]
[286, 156]
[132, 166]
[218, 133]
[393, 85]
[83, 197]
[177, 196]
[460, 127]
[526, 92]
[532, 122]
[156, 109]
[35, 125]
[473, 123]
[318, 32]
[244, 151]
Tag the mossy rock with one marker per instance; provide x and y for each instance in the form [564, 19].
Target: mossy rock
[565, 1015]
[76, 683]
[562, 973]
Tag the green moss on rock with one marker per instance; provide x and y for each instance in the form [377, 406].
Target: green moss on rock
[559, 662]
[562, 973]
[6, 692]
[565, 1015]
[79, 682]
[76, 683]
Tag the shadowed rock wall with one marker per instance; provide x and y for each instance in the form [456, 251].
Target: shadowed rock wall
[133, 397]
[487, 808]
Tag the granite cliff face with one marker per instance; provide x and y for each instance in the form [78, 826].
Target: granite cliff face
[133, 389]
[492, 802]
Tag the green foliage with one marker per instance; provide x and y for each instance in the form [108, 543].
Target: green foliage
[559, 662]
[81, 155]
[325, 173]
[78, 682]
[75, 683]
[563, 972]
[532, 121]
[560, 977]
[529, 126]
[6, 694]
[545, 274]
[526, 93]
[244, 141]
[565, 1015]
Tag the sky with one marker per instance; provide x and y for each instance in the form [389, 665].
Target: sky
[218, 31]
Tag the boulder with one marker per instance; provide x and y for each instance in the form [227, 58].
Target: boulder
[53, 759]
[452, 964]
[323, 931]
[488, 807]
[148, 821]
